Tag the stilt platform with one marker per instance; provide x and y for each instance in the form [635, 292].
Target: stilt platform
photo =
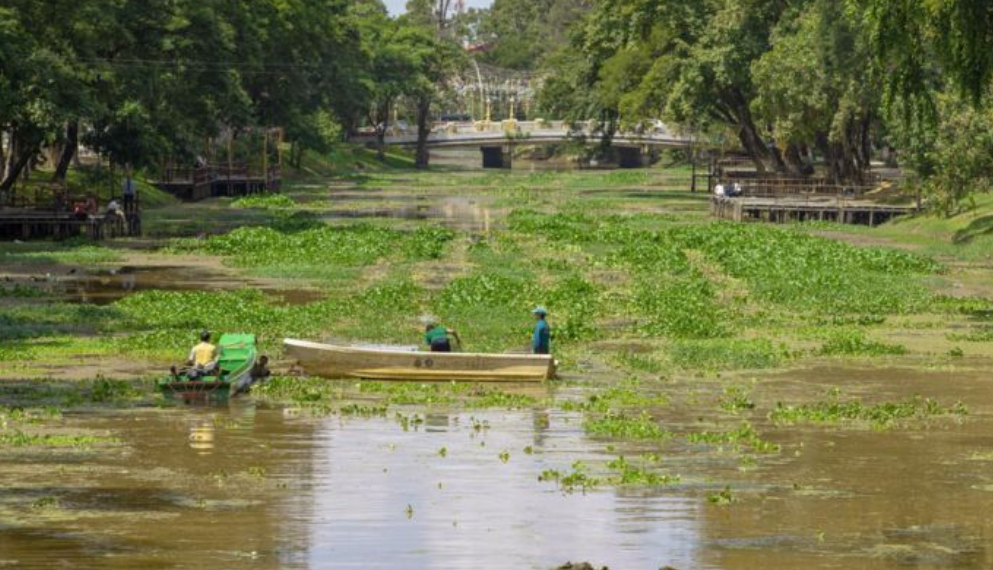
[806, 208]
[25, 223]
[194, 184]
[29, 225]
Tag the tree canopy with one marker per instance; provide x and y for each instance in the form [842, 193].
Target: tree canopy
[792, 81]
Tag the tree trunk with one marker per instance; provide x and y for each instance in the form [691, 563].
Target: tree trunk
[795, 166]
[423, 158]
[68, 152]
[750, 138]
[756, 152]
[15, 169]
[11, 155]
[382, 118]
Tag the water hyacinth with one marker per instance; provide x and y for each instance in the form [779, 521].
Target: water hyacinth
[355, 245]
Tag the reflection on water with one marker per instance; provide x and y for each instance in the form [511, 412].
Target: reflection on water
[104, 287]
[456, 212]
[251, 487]
[270, 488]
[202, 438]
[470, 510]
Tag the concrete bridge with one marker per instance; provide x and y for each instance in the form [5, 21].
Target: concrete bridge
[496, 139]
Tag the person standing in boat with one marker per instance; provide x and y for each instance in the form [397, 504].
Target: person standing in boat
[541, 341]
[203, 358]
[439, 337]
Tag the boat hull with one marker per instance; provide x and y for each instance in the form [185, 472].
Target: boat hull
[338, 362]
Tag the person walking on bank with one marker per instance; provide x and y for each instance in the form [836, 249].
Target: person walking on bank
[541, 341]
[130, 190]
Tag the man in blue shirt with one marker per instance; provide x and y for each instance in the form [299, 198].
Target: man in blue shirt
[541, 342]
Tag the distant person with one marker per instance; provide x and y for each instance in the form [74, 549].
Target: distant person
[79, 211]
[719, 191]
[260, 373]
[204, 358]
[260, 370]
[114, 210]
[541, 341]
[738, 191]
[439, 338]
[130, 189]
[91, 205]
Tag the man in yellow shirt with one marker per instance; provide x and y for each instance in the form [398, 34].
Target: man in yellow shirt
[203, 358]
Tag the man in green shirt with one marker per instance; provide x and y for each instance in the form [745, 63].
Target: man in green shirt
[439, 337]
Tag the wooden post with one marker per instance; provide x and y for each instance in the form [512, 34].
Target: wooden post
[693, 165]
[230, 162]
[265, 160]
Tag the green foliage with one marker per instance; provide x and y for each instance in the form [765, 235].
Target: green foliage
[21, 292]
[614, 425]
[630, 474]
[490, 291]
[736, 399]
[357, 245]
[77, 252]
[21, 439]
[133, 77]
[578, 479]
[617, 398]
[523, 32]
[808, 273]
[680, 308]
[880, 415]
[960, 155]
[854, 342]
[321, 394]
[264, 202]
[744, 438]
[722, 498]
[727, 354]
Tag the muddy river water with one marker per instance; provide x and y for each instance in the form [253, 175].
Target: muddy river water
[249, 486]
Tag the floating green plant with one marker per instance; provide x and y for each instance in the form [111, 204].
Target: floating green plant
[613, 425]
[881, 415]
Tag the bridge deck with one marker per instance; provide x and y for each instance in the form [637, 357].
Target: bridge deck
[525, 132]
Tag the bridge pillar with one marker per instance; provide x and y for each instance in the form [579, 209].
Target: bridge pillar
[630, 157]
[496, 157]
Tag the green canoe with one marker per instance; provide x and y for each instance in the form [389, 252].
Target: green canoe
[238, 354]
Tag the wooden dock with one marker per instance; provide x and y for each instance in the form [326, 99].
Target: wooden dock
[27, 225]
[194, 184]
[54, 220]
[806, 208]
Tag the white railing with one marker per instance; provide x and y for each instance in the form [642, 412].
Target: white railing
[521, 131]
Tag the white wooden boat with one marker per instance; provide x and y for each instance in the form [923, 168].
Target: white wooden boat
[339, 362]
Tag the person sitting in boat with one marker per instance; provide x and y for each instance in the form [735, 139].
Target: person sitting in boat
[260, 370]
[541, 341]
[439, 337]
[203, 358]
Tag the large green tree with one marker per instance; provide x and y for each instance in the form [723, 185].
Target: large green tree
[520, 34]
[142, 81]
